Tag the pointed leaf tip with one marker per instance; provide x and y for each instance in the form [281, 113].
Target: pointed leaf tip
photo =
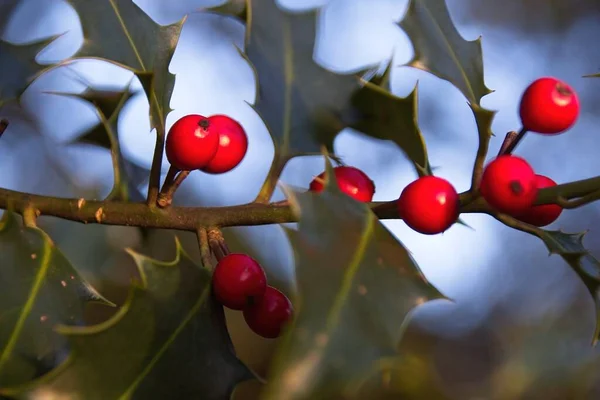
[570, 247]
[441, 50]
[166, 331]
[300, 102]
[39, 289]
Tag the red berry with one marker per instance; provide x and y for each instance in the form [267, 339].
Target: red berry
[508, 184]
[351, 181]
[233, 145]
[267, 316]
[545, 214]
[237, 280]
[549, 106]
[429, 205]
[191, 142]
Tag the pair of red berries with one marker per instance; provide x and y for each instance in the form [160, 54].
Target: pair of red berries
[215, 145]
[240, 283]
[429, 205]
[510, 185]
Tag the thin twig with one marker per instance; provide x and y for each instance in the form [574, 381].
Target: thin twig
[270, 183]
[205, 253]
[155, 170]
[166, 198]
[190, 218]
[30, 215]
[171, 174]
[575, 203]
[511, 141]
[508, 139]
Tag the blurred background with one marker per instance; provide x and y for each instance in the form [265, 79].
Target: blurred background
[521, 322]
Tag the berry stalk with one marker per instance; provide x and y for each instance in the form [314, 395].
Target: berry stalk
[165, 197]
[511, 141]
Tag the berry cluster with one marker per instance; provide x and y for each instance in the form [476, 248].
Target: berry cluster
[430, 205]
[240, 283]
[215, 144]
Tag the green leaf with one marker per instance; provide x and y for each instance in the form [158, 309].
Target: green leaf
[389, 117]
[441, 50]
[128, 37]
[108, 103]
[570, 247]
[19, 68]
[356, 286]
[592, 75]
[169, 340]
[39, 289]
[301, 102]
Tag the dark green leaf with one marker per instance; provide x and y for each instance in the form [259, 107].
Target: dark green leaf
[356, 286]
[19, 68]
[169, 340]
[301, 102]
[108, 103]
[440, 49]
[389, 117]
[38, 290]
[570, 247]
[128, 37]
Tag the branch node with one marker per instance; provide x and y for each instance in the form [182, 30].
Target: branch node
[217, 243]
[30, 215]
[99, 215]
[165, 197]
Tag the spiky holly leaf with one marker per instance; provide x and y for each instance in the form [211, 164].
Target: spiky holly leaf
[19, 68]
[389, 117]
[301, 102]
[356, 286]
[441, 50]
[169, 340]
[108, 103]
[570, 247]
[128, 37]
[39, 289]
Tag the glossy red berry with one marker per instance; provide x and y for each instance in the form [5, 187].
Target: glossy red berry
[351, 181]
[509, 185]
[548, 106]
[267, 316]
[238, 279]
[545, 214]
[191, 143]
[429, 205]
[233, 145]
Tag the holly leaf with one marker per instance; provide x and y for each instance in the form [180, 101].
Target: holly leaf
[389, 117]
[441, 50]
[356, 286]
[169, 340]
[108, 104]
[39, 289]
[301, 102]
[19, 68]
[570, 247]
[129, 38]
